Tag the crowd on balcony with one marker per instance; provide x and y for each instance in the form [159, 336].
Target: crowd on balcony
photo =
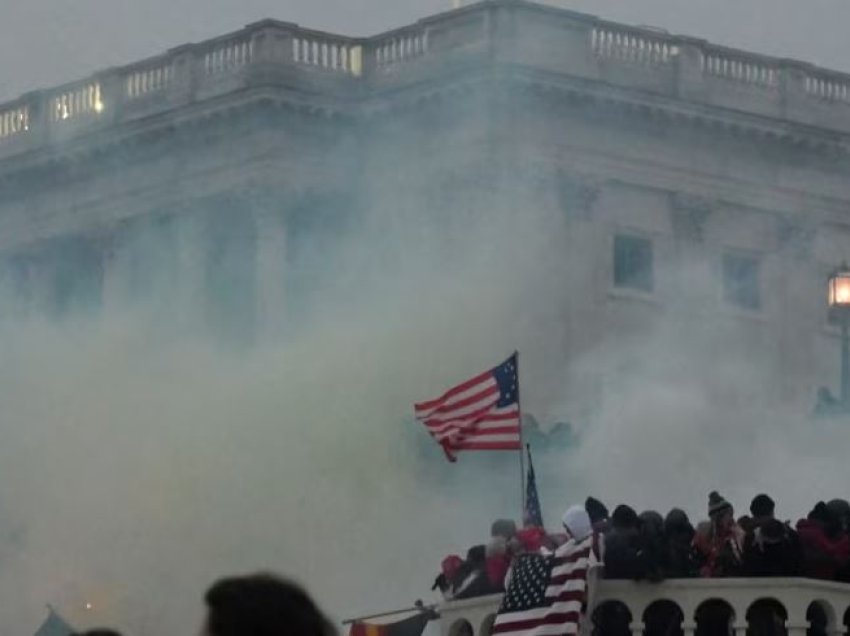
[652, 547]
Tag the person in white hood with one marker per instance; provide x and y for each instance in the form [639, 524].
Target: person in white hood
[577, 523]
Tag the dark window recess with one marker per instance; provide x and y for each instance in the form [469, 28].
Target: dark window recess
[633, 263]
[741, 281]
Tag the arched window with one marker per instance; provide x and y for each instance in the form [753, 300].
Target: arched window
[612, 618]
[821, 618]
[663, 618]
[714, 618]
[461, 627]
[487, 625]
[767, 617]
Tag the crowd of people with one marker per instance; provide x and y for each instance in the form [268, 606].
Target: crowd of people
[256, 605]
[649, 546]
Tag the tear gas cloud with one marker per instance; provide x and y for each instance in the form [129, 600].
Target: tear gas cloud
[140, 462]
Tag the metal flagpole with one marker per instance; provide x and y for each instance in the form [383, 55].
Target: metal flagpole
[521, 444]
[419, 606]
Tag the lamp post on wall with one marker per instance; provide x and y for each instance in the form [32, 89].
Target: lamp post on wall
[838, 299]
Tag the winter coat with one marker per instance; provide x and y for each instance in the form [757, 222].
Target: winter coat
[624, 558]
[652, 545]
[823, 555]
[678, 542]
[533, 538]
[771, 548]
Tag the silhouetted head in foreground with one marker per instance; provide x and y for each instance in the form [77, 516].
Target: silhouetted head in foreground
[262, 605]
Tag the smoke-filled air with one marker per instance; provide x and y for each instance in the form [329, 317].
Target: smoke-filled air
[160, 440]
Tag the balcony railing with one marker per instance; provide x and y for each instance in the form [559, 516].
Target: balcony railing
[687, 604]
[520, 35]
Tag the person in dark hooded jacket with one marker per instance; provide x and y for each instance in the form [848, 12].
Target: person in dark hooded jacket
[678, 539]
[652, 544]
[826, 550]
[623, 556]
[771, 548]
[598, 514]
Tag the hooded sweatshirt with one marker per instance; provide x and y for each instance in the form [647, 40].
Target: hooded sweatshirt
[577, 522]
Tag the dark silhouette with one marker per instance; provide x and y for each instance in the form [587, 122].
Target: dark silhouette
[262, 605]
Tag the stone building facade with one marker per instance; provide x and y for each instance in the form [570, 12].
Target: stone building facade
[700, 190]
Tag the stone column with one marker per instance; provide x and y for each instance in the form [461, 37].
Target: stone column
[636, 628]
[271, 269]
[190, 286]
[689, 629]
[113, 286]
[740, 629]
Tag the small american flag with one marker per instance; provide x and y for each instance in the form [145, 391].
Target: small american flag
[479, 414]
[547, 594]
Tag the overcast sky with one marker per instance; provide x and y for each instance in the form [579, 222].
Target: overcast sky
[48, 42]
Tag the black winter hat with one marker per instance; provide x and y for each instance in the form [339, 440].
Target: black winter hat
[596, 510]
[624, 517]
[762, 506]
[717, 504]
[821, 513]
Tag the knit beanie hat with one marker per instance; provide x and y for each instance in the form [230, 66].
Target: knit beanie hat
[717, 504]
[596, 510]
[762, 506]
[577, 522]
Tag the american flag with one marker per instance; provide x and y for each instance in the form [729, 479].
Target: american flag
[547, 594]
[479, 414]
[533, 512]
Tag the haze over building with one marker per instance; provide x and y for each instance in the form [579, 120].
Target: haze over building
[648, 218]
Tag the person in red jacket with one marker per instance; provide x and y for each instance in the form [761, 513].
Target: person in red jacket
[826, 549]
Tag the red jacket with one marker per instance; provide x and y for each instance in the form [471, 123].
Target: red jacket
[532, 538]
[823, 556]
[497, 567]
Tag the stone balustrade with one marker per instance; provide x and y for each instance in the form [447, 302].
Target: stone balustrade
[522, 36]
[803, 604]
[399, 47]
[740, 68]
[328, 53]
[148, 79]
[632, 45]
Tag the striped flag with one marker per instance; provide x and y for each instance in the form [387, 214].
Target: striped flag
[546, 595]
[533, 514]
[479, 414]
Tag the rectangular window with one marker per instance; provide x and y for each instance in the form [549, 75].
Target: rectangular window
[741, 281]
[633, 263]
